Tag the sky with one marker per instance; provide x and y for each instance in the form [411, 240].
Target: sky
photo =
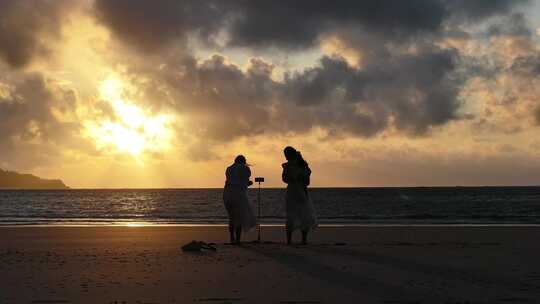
[151, 94]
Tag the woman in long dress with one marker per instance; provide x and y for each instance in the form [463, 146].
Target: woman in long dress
[300, 211]
[241, 216]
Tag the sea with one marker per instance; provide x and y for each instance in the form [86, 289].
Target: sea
[334, 206]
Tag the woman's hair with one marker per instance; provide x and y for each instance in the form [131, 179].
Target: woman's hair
[290, 152]
[301, 160]
[240, 159]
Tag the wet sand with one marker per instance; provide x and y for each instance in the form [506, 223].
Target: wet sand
[341, 265]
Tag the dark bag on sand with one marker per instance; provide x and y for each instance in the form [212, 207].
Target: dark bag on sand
[196, 246]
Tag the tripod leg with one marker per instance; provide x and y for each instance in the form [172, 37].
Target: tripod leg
[259, 214]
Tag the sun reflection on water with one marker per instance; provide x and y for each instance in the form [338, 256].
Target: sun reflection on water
[137, 224]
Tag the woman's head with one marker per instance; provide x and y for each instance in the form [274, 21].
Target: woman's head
[290, 153]
[241, 159]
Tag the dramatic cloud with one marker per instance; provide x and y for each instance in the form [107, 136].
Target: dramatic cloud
[150, 25]
[286, 24]
[473, 10]
[219, 99]
[301, 23]
[26, 110]
[511, 25]
[410, 92]
[405, 79]
[37, 121]
[100, 80]
[25, 27]
[528, 65]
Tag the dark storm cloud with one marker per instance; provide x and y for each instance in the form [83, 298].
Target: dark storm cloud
[299, 23]
[25, 27]
[150, 25]
[528, 69]
[26, 112]
[415, 92]
[527, 65]
[511, 25]
[222, 100]
[30, 133]
[287, 24]
[405, 80]
[411, 92]
[479, 9]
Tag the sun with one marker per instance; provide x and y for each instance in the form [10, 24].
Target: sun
[132, 130]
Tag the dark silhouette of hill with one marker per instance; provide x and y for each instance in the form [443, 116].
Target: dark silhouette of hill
[14, 180]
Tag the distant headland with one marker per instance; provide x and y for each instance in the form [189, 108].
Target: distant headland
[14, 180]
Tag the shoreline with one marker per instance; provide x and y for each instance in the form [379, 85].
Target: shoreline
[367, 264]
[281, 187]
[375, 225]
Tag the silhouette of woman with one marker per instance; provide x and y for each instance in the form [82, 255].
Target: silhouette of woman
[300, 211]
[241, 216]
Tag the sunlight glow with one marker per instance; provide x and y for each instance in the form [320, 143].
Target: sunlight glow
[137, 224]
[133, 129]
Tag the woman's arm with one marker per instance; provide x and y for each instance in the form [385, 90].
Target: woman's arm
[285, 173]
[248, 175]
[227, 174]
[306, 176]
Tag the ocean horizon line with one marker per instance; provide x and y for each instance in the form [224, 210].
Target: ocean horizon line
[273, 188]
[345, 225]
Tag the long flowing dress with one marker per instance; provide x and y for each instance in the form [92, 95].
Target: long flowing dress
[235, 197]
[300, 210]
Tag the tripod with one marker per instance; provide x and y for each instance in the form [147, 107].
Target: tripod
[259, 180]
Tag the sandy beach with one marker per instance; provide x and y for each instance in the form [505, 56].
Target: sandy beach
[431, 264]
